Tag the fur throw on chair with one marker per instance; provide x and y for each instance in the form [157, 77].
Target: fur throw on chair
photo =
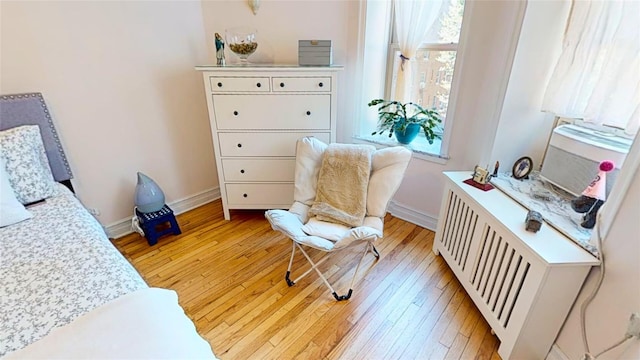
[341, 195]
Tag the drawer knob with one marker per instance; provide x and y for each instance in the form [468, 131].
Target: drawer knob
[308, 112]
[235, 113]
[281, 84]
[219, 84]
[242, 171]
[244, 195]
[258, 84]
[239, 145]
[320, 84]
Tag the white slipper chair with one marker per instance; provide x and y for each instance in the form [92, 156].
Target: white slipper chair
[387, 170]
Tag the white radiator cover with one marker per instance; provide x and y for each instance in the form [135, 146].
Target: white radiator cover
[523, 283]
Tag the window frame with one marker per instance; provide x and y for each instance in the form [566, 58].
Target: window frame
[361, 135]
[391, 57]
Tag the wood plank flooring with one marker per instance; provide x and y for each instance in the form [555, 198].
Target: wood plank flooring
[229, 276]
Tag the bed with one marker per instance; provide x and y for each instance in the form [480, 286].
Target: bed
[65, 290]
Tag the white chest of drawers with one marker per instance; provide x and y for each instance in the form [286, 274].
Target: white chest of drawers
[257, 113]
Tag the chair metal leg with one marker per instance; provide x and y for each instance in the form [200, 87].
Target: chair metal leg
[314, 266]
[375, 251]
[346, 297]
[286, 277]
[343, 297]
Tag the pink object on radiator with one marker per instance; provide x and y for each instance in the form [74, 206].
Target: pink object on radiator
[597, 188]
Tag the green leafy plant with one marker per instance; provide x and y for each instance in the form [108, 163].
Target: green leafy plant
[394, 115]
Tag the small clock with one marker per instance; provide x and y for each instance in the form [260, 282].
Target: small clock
[522, 168]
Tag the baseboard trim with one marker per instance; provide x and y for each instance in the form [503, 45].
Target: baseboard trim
[123, 227]
[119, 228]
[413, 215]
[193, 201]
[556, 354]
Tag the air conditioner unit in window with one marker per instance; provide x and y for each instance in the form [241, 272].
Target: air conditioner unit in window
[574, 153]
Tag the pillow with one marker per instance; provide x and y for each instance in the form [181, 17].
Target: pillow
[11, 211]
[327, 230]
[26, 163]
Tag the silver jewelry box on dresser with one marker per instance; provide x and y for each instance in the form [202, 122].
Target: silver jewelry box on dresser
[314, 53]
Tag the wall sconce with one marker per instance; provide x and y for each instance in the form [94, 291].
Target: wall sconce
[254, 5]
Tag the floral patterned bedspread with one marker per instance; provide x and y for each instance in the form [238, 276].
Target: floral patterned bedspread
[55, 267]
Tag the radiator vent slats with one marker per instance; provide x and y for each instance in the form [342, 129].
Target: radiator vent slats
[494, 274]
[450, 216]
[498, 272]
[459, 227]
[497, 278]
[501, 278]
[520, 280]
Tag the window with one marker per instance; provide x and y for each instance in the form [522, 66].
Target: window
[596, 77]
[433, 71]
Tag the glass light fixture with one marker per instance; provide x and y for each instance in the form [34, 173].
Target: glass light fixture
[254, 5]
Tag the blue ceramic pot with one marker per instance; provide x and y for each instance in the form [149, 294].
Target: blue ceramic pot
[149, 197]
[410, 133]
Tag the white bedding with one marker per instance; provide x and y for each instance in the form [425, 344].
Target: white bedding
[146, 324]
[54, 268]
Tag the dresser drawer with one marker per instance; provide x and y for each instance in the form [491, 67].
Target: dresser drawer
[221, 84]
[264, 144]
[258, 170]
[259, 194]
[286, 84]
[272, 112]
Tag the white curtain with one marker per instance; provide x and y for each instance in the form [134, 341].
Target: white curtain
[414, 19]
[597, 77]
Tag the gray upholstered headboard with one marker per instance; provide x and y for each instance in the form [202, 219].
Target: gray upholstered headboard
[30, 109]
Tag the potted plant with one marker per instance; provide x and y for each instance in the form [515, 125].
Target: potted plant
[406, 120]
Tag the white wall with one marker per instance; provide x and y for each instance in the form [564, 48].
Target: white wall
[619, 295]
[523, 129]
[119, 80]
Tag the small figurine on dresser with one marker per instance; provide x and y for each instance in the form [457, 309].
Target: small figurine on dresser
[593, 197]
[219, 50]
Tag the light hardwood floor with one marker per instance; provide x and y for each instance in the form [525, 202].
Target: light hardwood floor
[229, 276]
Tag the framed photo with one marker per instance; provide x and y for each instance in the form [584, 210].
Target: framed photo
[522, 167]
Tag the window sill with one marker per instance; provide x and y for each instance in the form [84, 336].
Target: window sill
[420, 147]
